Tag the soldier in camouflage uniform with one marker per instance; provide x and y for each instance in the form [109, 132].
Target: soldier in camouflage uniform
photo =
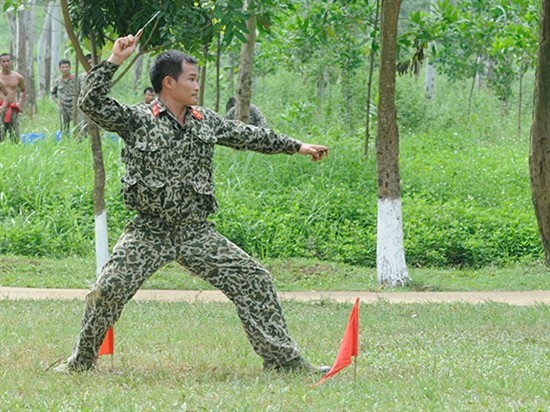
[63, 93]
[168, 156]
[255, 116]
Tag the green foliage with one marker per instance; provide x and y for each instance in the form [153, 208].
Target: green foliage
[465, 188]
[495, 39]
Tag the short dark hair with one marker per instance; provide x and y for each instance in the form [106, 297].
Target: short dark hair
[6, 54]
[169, 63]
[64, 61]
[148, 89]
[230, 103]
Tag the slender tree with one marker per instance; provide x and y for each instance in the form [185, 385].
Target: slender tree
[539, 161]
[244, 81]
[372, 53]
[390, 253]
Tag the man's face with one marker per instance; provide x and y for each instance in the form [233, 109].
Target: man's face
[5, 62]
[186, 88]
[65, 69]
[148, 96]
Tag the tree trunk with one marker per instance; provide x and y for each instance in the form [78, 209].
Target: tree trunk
[29, 20]
[138, 70]
[218, 67]
[390, 252]
[203, 69]
[369, 81]
[57, 28]
[100, 213]
[539, 161]
[430, 79]
[44, 55]
[520, 98]
[24, 46]
[244, 82]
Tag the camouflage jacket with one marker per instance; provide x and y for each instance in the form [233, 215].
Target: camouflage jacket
[255, 116]
[63, 91]
[169, 167]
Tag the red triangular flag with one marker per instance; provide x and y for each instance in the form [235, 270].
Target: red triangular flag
[108, 345]
[349, 346]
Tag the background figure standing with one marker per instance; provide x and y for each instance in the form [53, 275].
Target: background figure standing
[11, 104]
[169, 154]
[255, 116]
[63, 95]
[148, 95]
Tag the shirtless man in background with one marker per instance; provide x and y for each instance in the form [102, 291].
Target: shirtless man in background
[11, 105]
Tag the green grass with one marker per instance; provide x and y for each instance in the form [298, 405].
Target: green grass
[289, 275]
[181, 356]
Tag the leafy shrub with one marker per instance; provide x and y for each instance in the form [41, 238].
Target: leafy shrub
[465, 190]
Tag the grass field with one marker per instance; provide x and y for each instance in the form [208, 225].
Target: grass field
[194, 357]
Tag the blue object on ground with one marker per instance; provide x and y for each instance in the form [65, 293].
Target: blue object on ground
[32, 137]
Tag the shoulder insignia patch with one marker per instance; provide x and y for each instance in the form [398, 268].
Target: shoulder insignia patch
[196, 114]
[155, 109]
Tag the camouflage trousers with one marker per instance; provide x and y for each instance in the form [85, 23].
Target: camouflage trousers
[11, 128]
[65, 118]
[146, 245]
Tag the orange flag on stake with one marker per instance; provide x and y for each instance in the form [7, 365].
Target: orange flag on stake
[349, 346]
[108, 345]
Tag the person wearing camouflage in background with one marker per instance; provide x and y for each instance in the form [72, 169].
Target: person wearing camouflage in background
[168, 156]
[255, 116]
[63, 93]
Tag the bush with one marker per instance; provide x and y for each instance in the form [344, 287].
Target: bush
[465, 190]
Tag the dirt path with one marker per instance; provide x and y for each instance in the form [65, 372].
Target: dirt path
[513, 298]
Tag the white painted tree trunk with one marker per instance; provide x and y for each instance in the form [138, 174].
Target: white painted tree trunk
[430, 80]
[101, 241]
[390, 251]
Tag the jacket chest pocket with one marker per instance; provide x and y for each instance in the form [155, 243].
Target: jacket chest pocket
[144, 193]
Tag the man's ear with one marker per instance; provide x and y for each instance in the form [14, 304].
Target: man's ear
[167, 82]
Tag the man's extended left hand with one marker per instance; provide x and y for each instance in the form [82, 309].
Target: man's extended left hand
[317, 152]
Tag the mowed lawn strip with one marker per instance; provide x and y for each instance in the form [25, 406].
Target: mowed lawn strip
[288, 274]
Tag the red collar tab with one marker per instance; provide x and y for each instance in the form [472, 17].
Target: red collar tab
[196, 114]
[155, 109]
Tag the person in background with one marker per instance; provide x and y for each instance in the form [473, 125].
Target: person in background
[148, 95]
[255, 116]
[11, 103]
[63, 93]
[168, 155]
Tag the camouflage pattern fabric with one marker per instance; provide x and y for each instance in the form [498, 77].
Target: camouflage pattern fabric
[63, 92]
[255, 116]
[10, 128]
[169, 183]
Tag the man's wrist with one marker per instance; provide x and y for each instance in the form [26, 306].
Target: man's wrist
[115, 60]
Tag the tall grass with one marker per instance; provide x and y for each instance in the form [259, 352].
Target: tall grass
[465, 186]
